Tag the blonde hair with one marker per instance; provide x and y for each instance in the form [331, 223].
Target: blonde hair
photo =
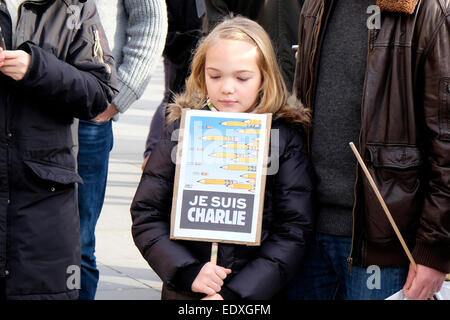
[273, 96]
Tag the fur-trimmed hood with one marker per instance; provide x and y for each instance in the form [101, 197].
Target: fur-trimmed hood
[404, 6]
[293, 112]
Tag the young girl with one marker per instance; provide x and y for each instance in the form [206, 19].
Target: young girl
[234, 69]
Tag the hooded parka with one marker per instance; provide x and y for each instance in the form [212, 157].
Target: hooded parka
[71, 74]
[258, 272]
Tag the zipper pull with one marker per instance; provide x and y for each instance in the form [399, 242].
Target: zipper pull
[96, 44]
[98, 50]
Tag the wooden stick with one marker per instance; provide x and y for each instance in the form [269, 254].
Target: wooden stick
[214, 248]
[383, 204]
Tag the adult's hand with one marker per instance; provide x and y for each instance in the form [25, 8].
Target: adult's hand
[14, 63]
[106, 115]
[210, 279]
[422, 283]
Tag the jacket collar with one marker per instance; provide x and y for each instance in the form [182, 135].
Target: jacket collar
[401, 6]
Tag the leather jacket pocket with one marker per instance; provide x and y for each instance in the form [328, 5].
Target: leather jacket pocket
[53, 169]
[396, 172]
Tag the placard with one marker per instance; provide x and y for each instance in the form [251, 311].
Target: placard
[220, 177]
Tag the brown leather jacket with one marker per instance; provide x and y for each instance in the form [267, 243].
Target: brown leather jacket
[405, 132]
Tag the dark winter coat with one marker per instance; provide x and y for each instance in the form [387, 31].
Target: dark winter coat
[185, 29]
[258, 272]
[68, 77]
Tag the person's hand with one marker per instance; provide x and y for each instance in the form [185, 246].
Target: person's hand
[106, 115]
[210, 279]
[215, 296]
[423, 283]
[14, 63]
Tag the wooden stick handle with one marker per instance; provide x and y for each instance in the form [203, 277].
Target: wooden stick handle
[214, 248]
[383, 205]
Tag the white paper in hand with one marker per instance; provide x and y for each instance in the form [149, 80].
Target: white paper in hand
[443, 294]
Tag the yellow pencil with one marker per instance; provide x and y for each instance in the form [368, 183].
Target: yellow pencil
[235, 146]
[255, 123]
[249, 131]
[241, 186]
[246, 159]
[218, 181]
[223, 155]
[219, 138]
[234, 124]
[239, 167]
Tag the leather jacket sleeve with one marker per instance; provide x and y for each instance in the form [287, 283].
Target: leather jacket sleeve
[85, 83]
[433, 237]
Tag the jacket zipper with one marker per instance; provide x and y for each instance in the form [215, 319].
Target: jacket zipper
[98, 50]
[4, 266]
[350, 258]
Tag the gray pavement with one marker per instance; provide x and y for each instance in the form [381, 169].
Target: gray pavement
[124, 274]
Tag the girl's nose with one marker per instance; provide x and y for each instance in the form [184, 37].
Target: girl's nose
[227, 86]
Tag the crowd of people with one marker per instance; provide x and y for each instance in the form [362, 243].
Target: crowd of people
[372, 72]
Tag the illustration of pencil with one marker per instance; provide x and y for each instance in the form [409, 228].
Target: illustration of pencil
[225, 182]
[254, 123]
[246, 159]
[242, 186]
[235, 146]
[220, 138]
[234, 124]
[249, 131]
[246, 123]
[249, 175]
[239, 167]
[223, 155]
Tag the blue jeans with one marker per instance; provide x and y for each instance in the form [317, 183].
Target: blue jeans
[325, 274]
[95, 142]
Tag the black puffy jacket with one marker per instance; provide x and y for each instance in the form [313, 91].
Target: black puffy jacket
[257, 272]
[69, 76]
